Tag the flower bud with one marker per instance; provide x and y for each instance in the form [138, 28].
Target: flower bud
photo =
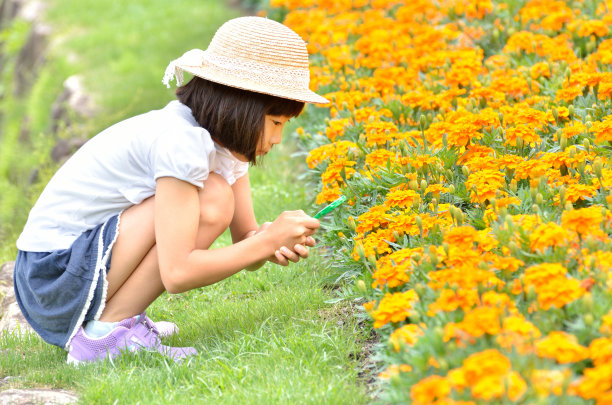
[513, 186]
[572, 152]
[414, 186]
[539, 199]
[569, 206]
[451, 189]
[588, 319]
[351, 223]
[423, 121]
[598, 167]
[396, 236]
[571, 110]
[586, 144]
[360, 250]
[466, 171]
[587, 302]
[423, 185]
[562, 190]
[563, 141]
[372, 260]
[361, 286]
[460, 217]
[555, 113]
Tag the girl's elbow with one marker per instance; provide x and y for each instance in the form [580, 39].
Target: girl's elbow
[173, 280]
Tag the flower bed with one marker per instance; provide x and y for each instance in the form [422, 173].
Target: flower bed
[472, 139]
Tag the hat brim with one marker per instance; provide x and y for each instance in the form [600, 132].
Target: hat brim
[212, 74]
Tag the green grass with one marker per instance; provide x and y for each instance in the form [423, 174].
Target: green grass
[263, 337]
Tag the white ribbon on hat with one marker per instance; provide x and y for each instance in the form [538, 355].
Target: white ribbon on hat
[194, 57]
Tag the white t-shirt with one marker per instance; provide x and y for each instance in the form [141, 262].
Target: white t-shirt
[117, 169]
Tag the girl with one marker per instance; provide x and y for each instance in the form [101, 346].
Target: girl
[134, 211]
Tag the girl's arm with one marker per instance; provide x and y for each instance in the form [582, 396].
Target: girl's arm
[183, 267]
[244, 225]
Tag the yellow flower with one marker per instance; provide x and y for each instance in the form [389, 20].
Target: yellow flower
[562, 347]
[394, 308]
[548, 235]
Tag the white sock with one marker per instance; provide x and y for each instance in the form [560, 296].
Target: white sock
[96, 329]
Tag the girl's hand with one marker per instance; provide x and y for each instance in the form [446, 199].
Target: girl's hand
[285, 255]
[292, 228]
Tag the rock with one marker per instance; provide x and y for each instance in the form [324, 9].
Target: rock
[30, 58]
[9, 10]
[11, 318]
[36, 396]
[71, 105]
[64, 148]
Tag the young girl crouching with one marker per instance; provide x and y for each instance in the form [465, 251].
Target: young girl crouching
[134, 212]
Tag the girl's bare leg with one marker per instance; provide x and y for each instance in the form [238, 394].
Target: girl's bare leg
[133, 279]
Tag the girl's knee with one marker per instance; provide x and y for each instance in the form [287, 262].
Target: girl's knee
[216, 201]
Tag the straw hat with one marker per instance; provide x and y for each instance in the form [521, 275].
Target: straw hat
[252, 53]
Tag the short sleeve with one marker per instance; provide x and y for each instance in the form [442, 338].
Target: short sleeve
[184, 155]
[240, 169]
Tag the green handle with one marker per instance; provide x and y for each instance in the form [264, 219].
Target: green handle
[331, 206]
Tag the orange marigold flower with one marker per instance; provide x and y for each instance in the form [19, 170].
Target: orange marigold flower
[379, 132]
[547, 382]
[573, 128]
[606, 324]
[451, 300]
[595, 383]
[558, 292]
[603, 129]
[541, 69]
[548, 235]
[380, 158]
[391, 273]
[401, 198]
[484, 185]
[394, 307]
[375, 217]
[394, 370]
[462, 237]
[523, 132]
[600, 351]
[584, 221]
[541, 274]
[488, 374]
[477, 322]
[429, 390]
[517, 333]
[562, 347]
[406, 335]
[336, 127]
[330, 151]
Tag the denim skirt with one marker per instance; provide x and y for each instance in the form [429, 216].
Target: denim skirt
[58, 291]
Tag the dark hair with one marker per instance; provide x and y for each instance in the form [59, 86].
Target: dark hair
[234, 117]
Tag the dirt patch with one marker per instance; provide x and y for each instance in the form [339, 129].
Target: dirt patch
[345, 312]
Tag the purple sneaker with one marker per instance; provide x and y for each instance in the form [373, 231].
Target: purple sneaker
[146, 331]
[128, 335]
[85, 349]
[164, 328]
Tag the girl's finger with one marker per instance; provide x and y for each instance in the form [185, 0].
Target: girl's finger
[310, 241]
[290, 255]
[282, 260]
[301, 250]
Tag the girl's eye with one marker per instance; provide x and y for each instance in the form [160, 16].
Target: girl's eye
[277, 123]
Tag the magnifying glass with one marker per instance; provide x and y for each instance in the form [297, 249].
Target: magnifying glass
[334, 204]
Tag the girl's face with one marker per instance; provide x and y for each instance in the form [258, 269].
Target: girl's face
[273, 134]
